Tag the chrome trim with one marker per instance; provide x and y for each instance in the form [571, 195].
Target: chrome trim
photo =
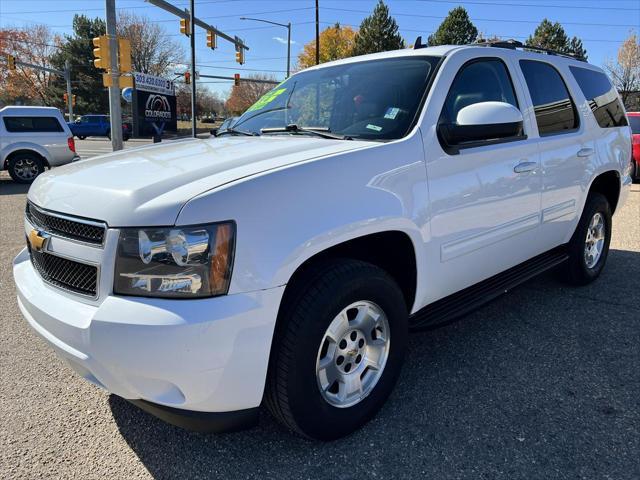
[84, 221]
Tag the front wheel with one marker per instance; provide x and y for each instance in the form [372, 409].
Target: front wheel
[589, 246]
[338, 351]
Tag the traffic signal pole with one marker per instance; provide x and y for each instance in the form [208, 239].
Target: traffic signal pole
[67, 77]
[114, 89]
[192, 26]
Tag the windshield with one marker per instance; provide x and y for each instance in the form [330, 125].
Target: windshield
[372, 100]
[634, 121]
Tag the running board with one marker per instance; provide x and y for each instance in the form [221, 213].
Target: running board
[460, 303]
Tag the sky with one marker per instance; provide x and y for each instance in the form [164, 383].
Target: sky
[601, 24]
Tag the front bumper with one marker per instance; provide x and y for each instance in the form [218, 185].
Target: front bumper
[205, 355]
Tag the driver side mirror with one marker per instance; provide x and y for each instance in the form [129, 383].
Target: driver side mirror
[480, 124]
[214, 132]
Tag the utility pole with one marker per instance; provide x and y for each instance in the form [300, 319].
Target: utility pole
[114, 89]
[317, 34]
[288, 49]
[192, 24]
[67, 77]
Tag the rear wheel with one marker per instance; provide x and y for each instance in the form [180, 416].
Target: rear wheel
[25, 167]
[589, 245]
[81, 137]
[338, 350]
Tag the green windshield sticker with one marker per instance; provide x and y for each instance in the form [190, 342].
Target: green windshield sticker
[266, 99]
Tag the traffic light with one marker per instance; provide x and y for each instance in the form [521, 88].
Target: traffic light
[185, 27]
[236, 79]
[212, 40]
[187, 78]
[73, 100]
[65, 97]
[101, 52]
[11, 61]
[240, 56]
[124, 55]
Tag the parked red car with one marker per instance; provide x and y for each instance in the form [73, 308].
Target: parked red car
[634, 121]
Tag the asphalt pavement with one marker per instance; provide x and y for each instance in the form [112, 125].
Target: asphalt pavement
[543, 383]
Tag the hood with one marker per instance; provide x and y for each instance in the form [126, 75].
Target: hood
[148, 186]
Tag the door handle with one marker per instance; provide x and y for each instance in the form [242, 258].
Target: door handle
[585, 152]
[525, 167]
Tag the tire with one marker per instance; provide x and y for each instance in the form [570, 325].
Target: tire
[25, 167]
[582, 268]
[293, 393]
[81, 137]
[635, 174]
[109, 134]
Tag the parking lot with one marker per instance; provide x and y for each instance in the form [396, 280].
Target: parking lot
[542, 383]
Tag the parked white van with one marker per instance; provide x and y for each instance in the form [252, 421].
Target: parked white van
[285, 261]
[32, 138]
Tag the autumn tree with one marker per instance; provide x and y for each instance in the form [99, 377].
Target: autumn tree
[553, 37]
[247, 93]
[207, 102]
[455, 29]
[152, 50]
[35, 45]
[625, 72]
[377, 33]
[335, 42]
[86, 79]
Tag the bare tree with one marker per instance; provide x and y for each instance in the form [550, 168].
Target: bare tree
[625, 73]
[247, 93]
[152, 50]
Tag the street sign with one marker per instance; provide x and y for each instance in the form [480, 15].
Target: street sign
[127, 94]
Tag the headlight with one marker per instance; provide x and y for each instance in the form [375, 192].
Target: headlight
[184, 262]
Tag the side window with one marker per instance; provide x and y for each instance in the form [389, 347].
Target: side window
[481, 80]
[32, 124]
[484, 80]
[552, 104]
[602, 97]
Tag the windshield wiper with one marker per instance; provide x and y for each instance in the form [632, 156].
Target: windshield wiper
[233, 131]
[323, 132]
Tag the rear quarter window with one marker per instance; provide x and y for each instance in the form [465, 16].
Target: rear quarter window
[602, 97]
[32, 124]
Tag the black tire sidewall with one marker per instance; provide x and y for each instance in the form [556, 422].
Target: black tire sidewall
[579, 272]
[23, 156]
[313, 414]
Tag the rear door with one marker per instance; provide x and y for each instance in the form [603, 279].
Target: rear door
[566, 148]
[485, 199]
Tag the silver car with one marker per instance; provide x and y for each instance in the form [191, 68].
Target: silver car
[32, 139]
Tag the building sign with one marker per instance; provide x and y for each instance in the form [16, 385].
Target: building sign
[154, 105]
[150, 83]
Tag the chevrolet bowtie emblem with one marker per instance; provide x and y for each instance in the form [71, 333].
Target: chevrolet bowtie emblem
[38, 240]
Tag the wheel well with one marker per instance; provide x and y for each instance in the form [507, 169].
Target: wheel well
[608, 184]
[392, 251]
[24, 150]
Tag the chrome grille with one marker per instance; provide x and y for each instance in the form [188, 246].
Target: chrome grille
[88, 231]
[66, 274]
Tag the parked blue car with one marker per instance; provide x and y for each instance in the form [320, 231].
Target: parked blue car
[96, 126]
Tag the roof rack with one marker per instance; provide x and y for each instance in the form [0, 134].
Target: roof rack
[514, 44]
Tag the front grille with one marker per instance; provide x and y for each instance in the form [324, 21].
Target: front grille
[66, 274]
[65, 227]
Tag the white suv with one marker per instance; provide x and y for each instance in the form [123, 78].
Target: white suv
[32, 138]
[286, 260]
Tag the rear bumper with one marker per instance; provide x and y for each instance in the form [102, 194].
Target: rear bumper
[207, 355]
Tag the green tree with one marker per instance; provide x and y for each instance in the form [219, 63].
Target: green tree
[86, 79]
[378, 33]
[455, 29]
[553, 37]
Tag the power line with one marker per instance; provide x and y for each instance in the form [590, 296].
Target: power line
[499, 4]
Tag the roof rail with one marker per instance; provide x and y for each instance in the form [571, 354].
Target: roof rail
[514, 44]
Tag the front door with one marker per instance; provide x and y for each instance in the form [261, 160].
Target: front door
[484, 197]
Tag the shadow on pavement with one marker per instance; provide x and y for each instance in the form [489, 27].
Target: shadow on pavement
[9, 187]
[540, 383]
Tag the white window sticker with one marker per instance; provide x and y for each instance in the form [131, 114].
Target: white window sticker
[392, 112]
[374, 127]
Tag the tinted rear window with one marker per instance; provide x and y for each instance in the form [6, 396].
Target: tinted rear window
[634, 121]
[602, 97]
[32, 124]
[554, 109]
